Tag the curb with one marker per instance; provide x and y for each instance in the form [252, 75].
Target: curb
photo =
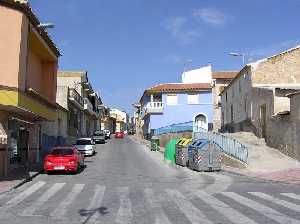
[30, 178]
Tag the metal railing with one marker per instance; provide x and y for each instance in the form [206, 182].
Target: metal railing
[174, 128]
[73, 94]
[87, 105]
[154, 105]
[228, 145]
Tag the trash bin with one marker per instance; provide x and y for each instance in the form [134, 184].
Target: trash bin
[205, 155]
[182, 151]
[155, 143]
[169, 154]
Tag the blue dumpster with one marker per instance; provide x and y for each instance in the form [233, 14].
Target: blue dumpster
[205, 155]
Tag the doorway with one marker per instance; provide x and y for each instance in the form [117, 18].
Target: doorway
[263, 119]
[200, 122]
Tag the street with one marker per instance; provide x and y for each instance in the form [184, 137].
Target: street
[126, 183]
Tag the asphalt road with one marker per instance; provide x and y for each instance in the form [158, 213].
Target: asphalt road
[126, 183]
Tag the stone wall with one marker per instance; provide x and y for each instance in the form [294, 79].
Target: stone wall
[165, 138]
[280, 69]
[236, 97]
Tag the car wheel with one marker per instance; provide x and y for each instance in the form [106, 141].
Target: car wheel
[76, 171]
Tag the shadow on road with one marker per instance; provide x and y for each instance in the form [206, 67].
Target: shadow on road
[88, 213]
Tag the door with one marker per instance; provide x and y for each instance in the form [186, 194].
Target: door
[23, 145]
[200, 122]
[263, 119]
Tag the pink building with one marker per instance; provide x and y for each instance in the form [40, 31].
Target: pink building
[28, 66]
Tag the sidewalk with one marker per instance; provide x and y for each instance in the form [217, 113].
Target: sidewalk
[266, 164]
[18, 177]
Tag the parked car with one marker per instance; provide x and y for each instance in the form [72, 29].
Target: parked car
[86, 146]
[131, 132]
[119, 134]
[99, 136]
[64, 159]
[107, 133]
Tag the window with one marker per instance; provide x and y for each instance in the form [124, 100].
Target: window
[83, 142]
[62, 151]
[226, 97]
[193, 99]
[240, 86]
[171, 99]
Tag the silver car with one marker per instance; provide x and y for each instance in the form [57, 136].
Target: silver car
[99, 137]
[86, 146]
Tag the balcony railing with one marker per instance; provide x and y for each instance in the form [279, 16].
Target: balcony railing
[87, 105]
[75, 97]
[154, 108]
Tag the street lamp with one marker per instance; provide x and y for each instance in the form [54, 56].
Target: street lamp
[234, 54]
[46, 25]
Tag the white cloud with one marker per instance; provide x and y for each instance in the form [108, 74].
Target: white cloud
[211, 16]
[178, 27]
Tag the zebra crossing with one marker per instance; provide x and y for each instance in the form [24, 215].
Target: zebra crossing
[64, 199]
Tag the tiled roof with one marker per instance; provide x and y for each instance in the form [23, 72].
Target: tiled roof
[177, 87]
[24, 7]
[224, 74]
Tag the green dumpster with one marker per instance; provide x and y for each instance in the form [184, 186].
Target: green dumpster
[170, 150]
[154, 143]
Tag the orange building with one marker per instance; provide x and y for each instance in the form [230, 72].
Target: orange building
[28, 68]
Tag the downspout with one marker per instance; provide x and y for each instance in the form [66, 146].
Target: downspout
[27, 57]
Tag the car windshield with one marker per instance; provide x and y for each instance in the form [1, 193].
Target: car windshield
[98, 133]
[83, 142]
[62, 151]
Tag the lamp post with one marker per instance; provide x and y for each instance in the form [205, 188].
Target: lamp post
[46, 25]
[235, 54]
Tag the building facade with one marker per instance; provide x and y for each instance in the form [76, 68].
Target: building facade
[121, 119]
[85, 110]
[256, 100]
[195, 100]
[27, 86]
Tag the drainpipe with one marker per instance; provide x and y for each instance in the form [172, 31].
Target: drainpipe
[27, 57]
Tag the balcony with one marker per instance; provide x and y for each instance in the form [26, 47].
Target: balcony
[154, 108]
[88, 106]
[76, 98]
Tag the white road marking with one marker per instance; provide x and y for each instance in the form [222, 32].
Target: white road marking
[94, 205]
[221, 183]
[231, 214]
[260, 208]
[62, 207]
[160, 217]
[291, 195]
[194, 215]
[20, 197]
[124, 215]
[277, 201]
[29, 211]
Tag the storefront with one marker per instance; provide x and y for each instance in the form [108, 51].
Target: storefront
[23, 143]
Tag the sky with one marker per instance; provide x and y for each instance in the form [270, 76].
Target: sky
[130, 45]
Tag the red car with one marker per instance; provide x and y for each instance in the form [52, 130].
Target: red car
[64, 159]
[119, 134]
